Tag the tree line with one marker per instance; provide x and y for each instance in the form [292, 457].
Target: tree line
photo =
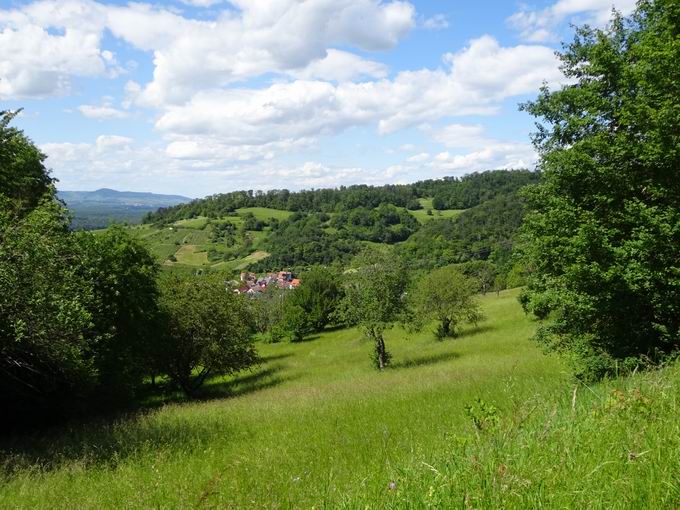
[448, 193]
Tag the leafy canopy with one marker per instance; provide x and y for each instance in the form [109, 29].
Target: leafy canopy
[602, 240]
[448, 296]
[206, 330]
[374, 296]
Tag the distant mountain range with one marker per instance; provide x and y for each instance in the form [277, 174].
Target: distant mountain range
[97, 209]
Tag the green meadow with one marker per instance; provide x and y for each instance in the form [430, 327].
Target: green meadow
[422, 216]
[482, 421]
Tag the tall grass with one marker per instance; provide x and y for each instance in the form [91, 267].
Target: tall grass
[483, 421]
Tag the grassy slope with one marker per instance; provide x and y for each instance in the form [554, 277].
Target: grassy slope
[189, 241]
[265, 213]
[422, 216]
[316, 426]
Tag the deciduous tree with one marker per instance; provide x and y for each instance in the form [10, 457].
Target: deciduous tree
[206, 330]
[374, 297]
[602, 240]
[447, 296]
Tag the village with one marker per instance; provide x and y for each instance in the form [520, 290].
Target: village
[253, 285]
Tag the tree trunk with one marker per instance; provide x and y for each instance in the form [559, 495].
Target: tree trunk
[380, 351]
[446, 327]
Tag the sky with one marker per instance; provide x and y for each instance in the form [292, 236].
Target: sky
[197, 97]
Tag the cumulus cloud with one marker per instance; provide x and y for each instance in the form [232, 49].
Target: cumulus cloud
[476, 151]
[46, 43]
[341, 66]
[419, 158]
[111, 160]
[539, 25]
[287, 37]
[475, 81]
[101, 112]
[201, 3]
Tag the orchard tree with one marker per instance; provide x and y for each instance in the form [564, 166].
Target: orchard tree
[602, 238]
[374, 297]
[294, 323]
[448, 296]
[205, 329]
[318, 296]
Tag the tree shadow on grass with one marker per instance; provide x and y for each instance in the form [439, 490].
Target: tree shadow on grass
[108, 441]
[426, 360]
[471, 332]
[243, 385]
[276, 357]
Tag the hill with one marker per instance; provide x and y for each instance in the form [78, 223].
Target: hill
[293, 230]
[485, 421]
[97, 209]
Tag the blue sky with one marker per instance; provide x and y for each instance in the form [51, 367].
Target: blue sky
[204, 96]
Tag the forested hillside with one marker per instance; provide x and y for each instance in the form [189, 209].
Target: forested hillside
[449, 193]
[433, 223]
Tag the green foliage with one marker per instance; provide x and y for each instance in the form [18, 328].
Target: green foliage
[302, 241]
[23, 177]
[45, 313]
[384, 224]
[449, 193]
[318, 295]
[123, 312]
[448, 296]
[484, 416]
[320, 428]
[295, 323]
[205, 330]
[603, 235]
[484, 232]
[266, 311]
[374, 297]
[476, 188]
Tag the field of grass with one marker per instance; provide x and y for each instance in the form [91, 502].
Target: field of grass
[265, 213]
[242, 263]
[191, 255]
[422, 216]
[316, 426]
[194, 223]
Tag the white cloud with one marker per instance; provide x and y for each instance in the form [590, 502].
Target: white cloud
[209, 148]
[419, 158]
[495, 156]
[478, 152]
[460, 135]
[539, 25]
[286, 36]
[101, 112]
[341, 66]
[436, 22]
[476, 81]
[111, 161]
[45, 43]
[201, 3]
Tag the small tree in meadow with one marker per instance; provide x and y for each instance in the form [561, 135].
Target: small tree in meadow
[374, 297]
[205, 330]
[318, 296]
[295, 323]
[448, 296]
